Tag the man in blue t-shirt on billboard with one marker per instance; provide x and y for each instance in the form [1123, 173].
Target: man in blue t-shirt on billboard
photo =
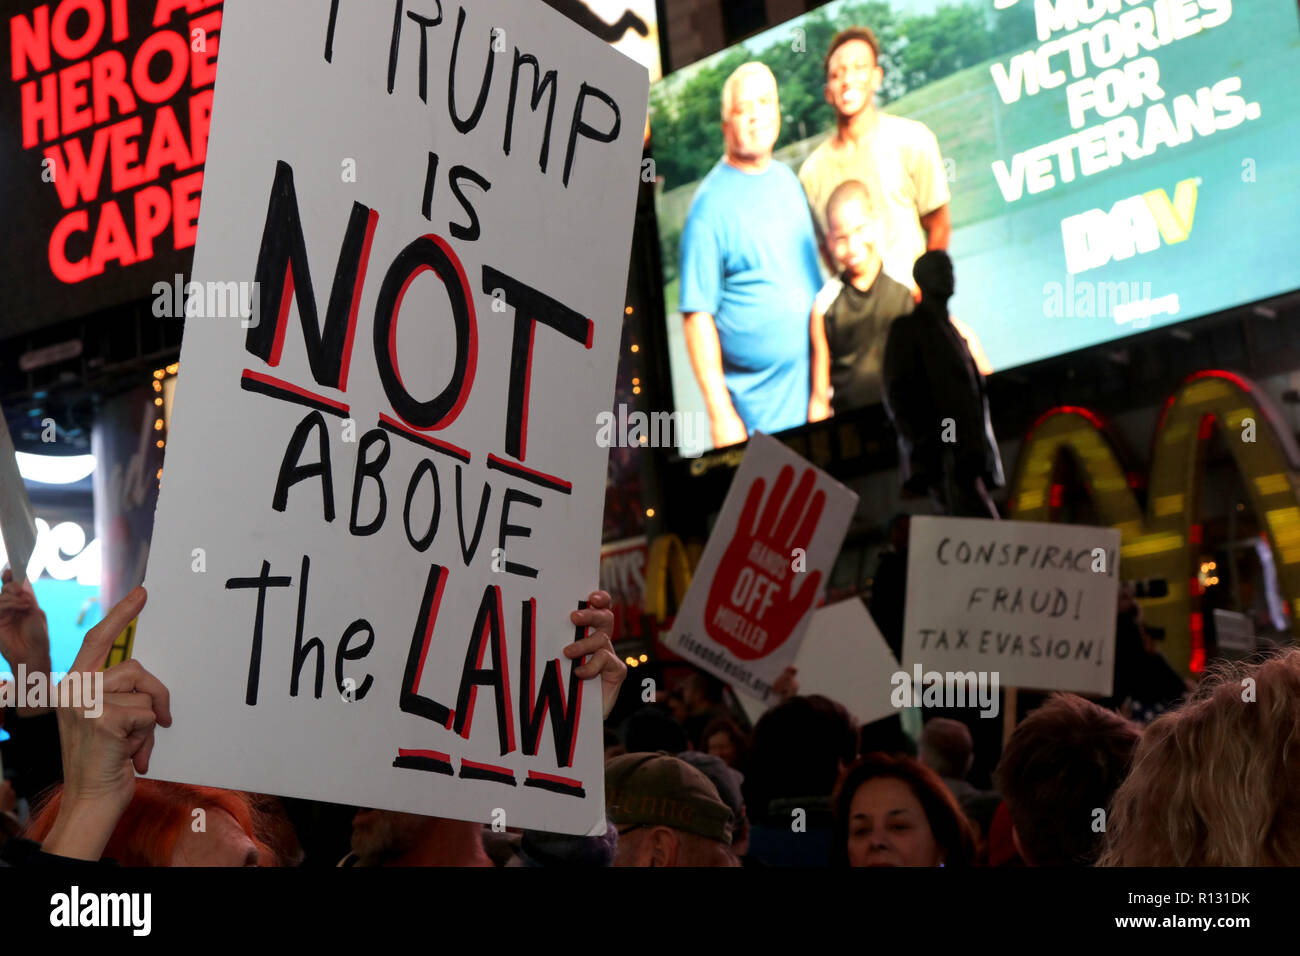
[749, 272]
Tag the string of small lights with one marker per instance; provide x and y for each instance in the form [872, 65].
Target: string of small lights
[160, 376]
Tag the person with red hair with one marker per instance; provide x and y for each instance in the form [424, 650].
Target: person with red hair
[175, 824]
[103, 809]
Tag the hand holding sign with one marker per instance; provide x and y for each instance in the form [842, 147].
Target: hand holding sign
[599, 645]
[749, 611]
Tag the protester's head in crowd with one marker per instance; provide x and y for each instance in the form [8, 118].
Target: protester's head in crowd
[724, 739]
[175, 824]
[1063, 763]
[886, 736]
[385, 836]
[702, 693]
[891, 810]
[852, 227]
[934, 277]
[799, 748]
[667, 813]
[392, 838]
[675, 701]
[613, 744]
[1217, 781]
[650, 729]
[853, 72]
[728, 782]
[947, 748]
[751, 113]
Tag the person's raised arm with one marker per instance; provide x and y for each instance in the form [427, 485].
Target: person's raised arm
[105, 741]
[700, 297]
[705, 350]
[938, 228]
[930, 180]
[973, 343]
[819, 404]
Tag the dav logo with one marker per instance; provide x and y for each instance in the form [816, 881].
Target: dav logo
[1134, 225]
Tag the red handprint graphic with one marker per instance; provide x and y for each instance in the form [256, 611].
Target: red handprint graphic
[750, 610]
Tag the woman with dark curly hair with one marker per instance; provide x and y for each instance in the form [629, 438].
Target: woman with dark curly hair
[891, 810]
[724, 739]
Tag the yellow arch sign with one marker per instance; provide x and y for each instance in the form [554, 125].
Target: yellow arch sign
[668, 563]
[1163, 542]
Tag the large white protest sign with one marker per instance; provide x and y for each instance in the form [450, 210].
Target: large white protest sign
[382, 494]
[844, 657]
[762, 571]
[1031, 602]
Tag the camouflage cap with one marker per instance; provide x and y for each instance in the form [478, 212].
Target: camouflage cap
[657, 789]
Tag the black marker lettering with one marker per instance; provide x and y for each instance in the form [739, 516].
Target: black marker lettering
[471, 232]
[370, 469]
[468, 551]
[531, 306]
[580, 126]
[509, 530]
[540, 83]
[301, 650]
[465, 126]
[291, 472]
[422, 543]
[283, 274]
[261, 582]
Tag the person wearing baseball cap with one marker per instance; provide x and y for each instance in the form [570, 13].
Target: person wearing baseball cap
[667, 813]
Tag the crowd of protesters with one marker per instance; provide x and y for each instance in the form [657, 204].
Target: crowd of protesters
[1214, 780]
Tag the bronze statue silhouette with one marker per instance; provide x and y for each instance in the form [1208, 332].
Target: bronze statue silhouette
[581, 14]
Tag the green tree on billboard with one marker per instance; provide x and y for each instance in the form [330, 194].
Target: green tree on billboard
[914, 50]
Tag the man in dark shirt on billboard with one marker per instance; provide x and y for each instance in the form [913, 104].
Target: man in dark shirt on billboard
[934, 395]
[852, 313]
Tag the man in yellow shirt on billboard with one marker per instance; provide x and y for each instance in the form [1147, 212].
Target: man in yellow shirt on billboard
[897, 159]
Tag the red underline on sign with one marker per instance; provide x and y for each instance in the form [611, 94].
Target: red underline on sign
[430, 761]
[528, 474]
[288, 392]
[553, 778]
[445, 447]
[431, 754]
[472, 770]
[555, 784]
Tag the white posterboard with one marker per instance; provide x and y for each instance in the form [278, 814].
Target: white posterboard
[763, 569]
[17, 524]
[844, 657]
[1234, 632]
[1029, 601]
[382, 498]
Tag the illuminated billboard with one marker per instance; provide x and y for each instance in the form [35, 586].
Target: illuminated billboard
[1094, 169]
[104, 110]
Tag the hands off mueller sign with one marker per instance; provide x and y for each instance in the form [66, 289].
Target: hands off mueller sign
[764, 568]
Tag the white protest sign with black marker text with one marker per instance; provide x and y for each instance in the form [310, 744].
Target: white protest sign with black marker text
[382, 495]
[1031, 602]
[763, 569]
